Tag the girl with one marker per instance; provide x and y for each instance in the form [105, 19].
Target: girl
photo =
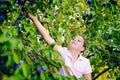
[77, 64]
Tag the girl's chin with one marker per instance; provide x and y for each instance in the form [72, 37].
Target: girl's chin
[72, 46]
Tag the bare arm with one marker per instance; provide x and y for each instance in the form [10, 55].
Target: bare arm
[43, 31]
[88, 76]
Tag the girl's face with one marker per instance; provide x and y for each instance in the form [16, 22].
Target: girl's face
[77, 42]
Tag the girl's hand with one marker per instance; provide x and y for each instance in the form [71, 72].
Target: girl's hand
[31, 16]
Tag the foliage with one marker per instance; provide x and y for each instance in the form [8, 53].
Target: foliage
[25, 55]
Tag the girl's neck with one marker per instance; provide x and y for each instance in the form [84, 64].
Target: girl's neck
[74, 53]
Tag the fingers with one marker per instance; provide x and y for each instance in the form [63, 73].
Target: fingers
[27, 13]
[30, 15]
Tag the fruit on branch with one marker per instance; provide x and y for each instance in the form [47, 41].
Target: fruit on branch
[2, 14]
[31, 2]
[16, 66]
[2, 1]
[29, 20]
[20, 2]
[20, 17]
[89, 1]
[41, 70]
[2, 18]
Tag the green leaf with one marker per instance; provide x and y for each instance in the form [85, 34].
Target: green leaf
[25, 70]
[3, 35]
[48, 54]
[14, 43]
[16, 77]
[51, 46]
[10, 60]
[16, 58]
[55, 63]
[42, 76]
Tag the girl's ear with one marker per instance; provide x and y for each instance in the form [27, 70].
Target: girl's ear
[82, 49]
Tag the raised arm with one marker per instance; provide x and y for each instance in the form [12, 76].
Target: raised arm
[88, 76]
[42, 30]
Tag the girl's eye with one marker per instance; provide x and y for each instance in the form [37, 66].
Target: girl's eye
[79, 41]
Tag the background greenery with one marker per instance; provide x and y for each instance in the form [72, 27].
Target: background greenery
[24, 55]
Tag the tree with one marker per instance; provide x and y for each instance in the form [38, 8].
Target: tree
[25, 55]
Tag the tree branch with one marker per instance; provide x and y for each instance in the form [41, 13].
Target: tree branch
[94, 78]
[90, 55]
[105, 70]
